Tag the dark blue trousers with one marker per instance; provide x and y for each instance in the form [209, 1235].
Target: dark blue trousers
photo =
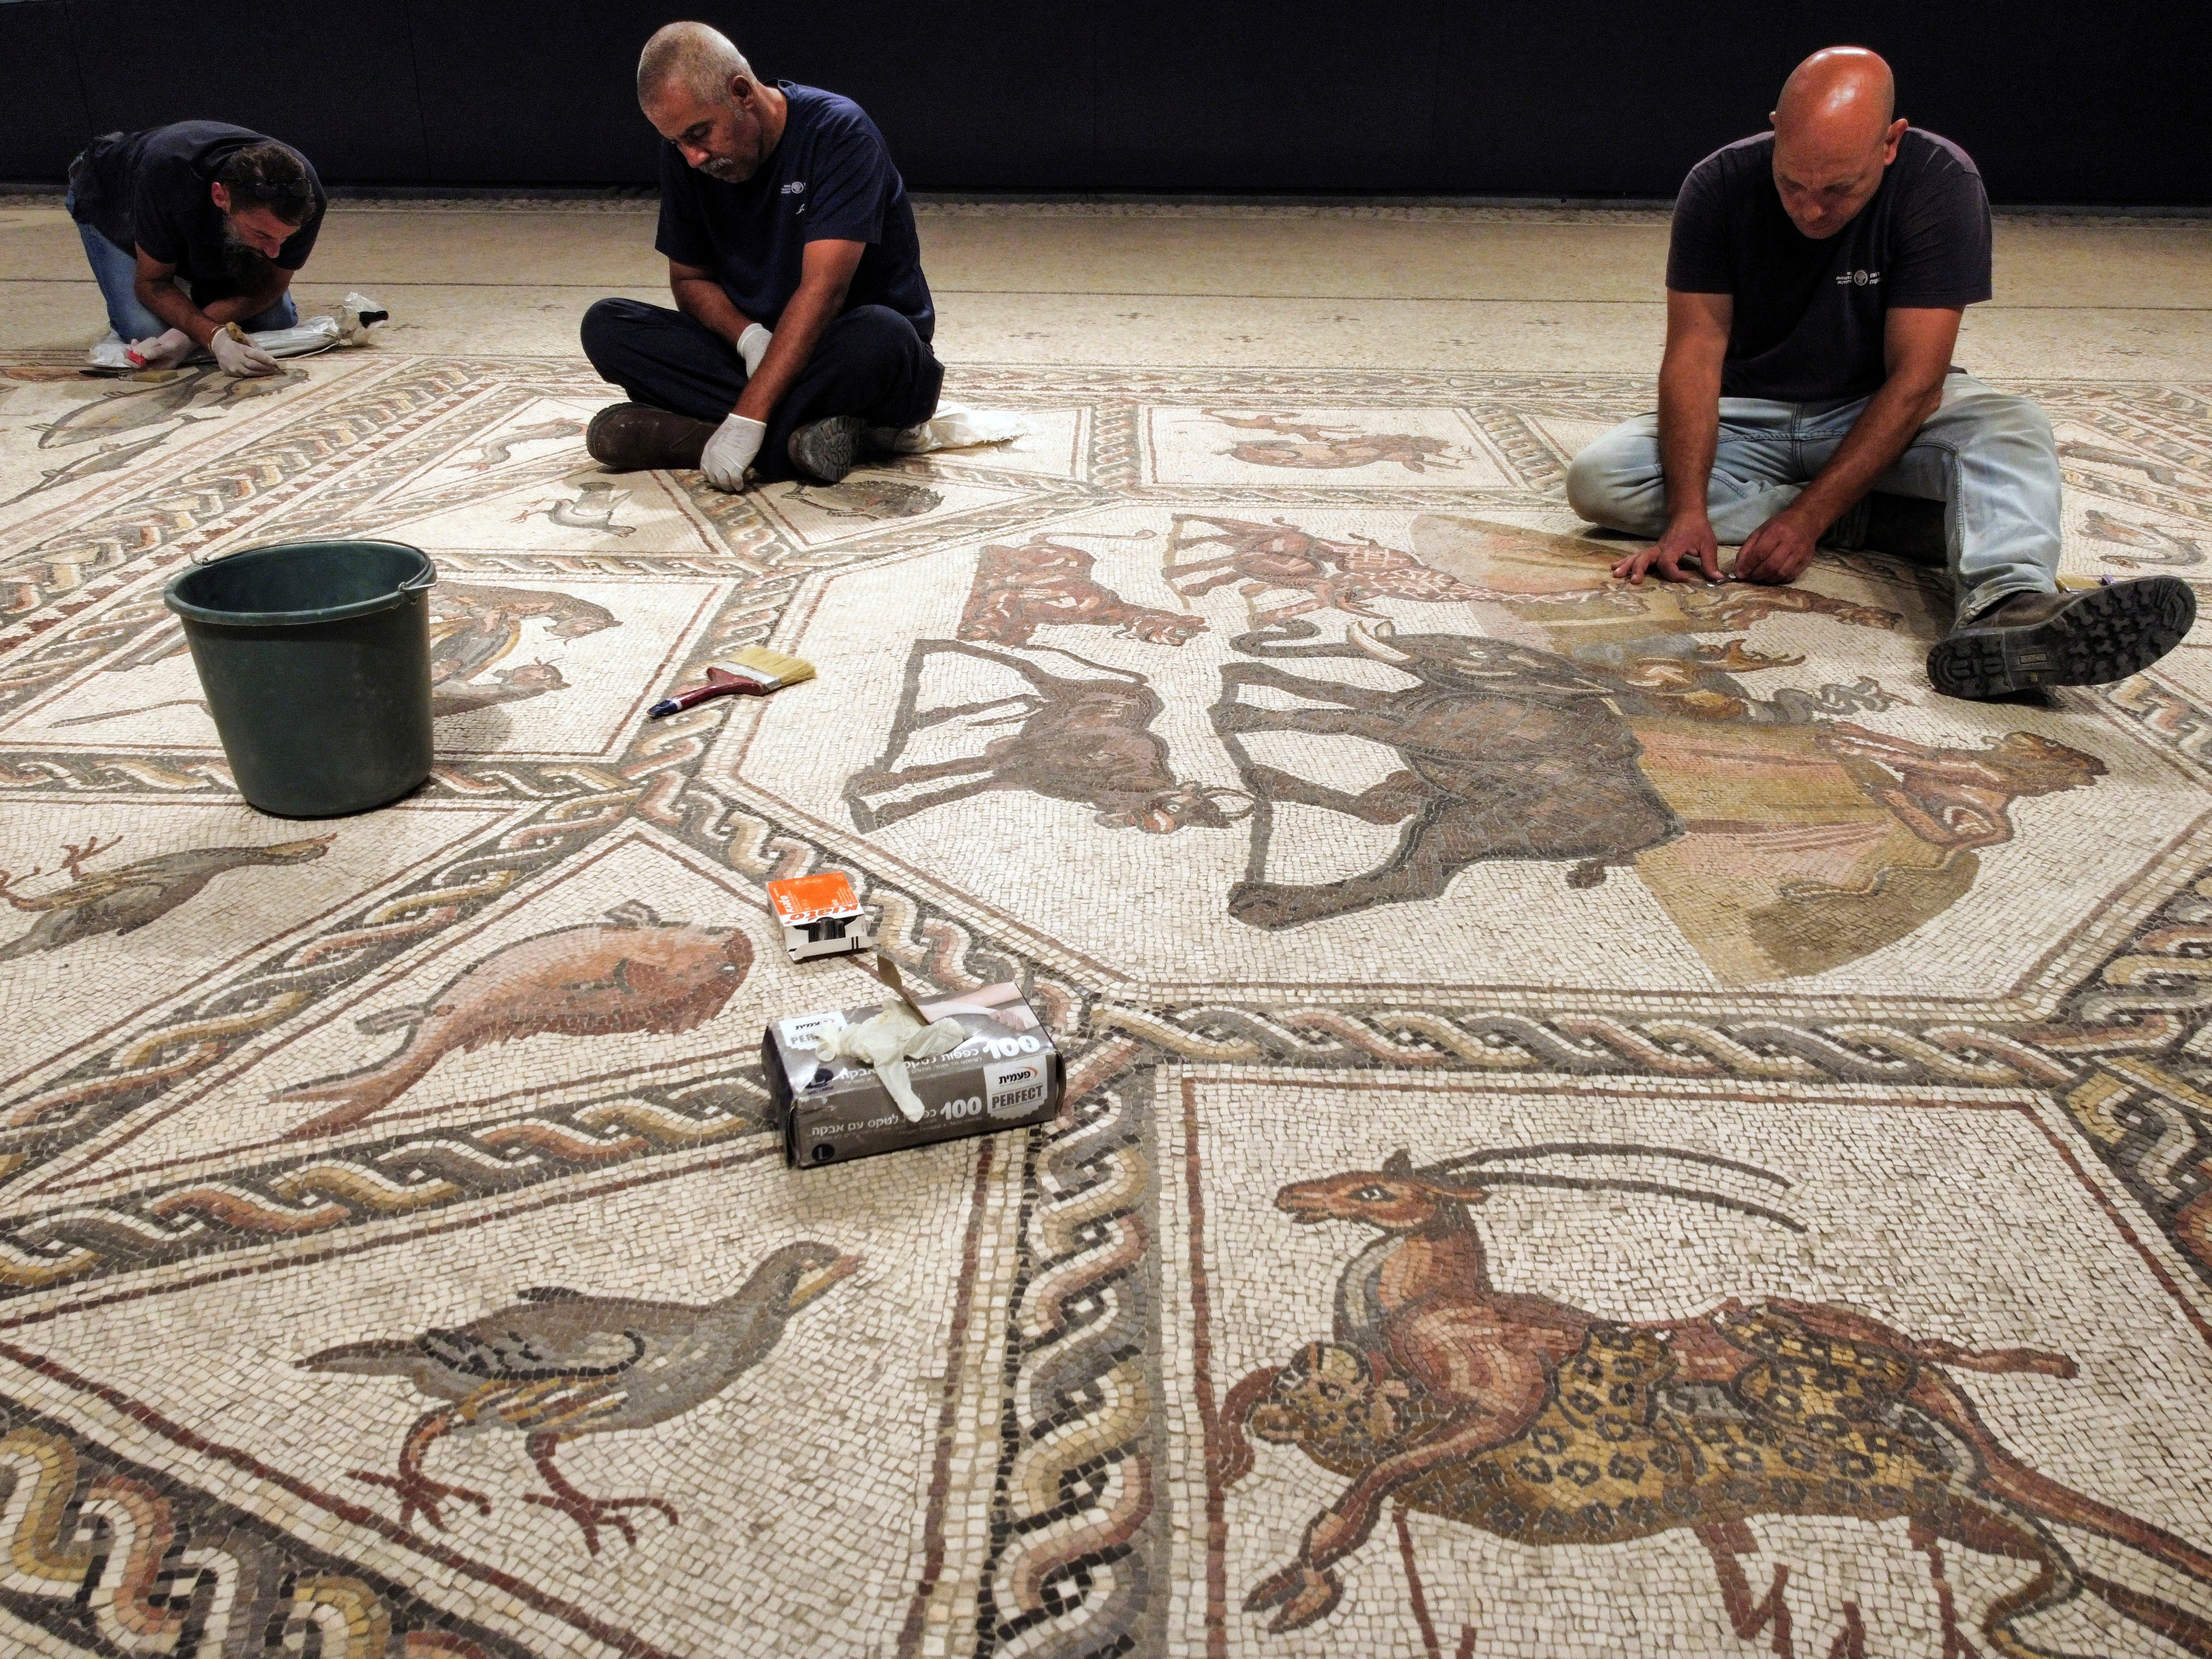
[869, 362]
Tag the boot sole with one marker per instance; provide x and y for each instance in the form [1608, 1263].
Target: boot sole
[2107, 635]
[829, 448]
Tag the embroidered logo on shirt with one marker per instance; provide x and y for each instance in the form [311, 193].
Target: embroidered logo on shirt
[1858, 278]
[795, 187]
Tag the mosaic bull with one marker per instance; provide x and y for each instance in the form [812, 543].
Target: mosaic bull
[1508, 752]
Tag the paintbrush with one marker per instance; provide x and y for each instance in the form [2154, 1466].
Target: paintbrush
[753, 672]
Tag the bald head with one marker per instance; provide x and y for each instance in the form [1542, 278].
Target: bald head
[701, 96]
[1842, 94]
[1835, 134]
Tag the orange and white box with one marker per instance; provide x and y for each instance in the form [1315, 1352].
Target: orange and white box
[821, 916]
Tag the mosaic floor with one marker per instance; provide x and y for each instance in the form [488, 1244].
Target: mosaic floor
[1604, 1122]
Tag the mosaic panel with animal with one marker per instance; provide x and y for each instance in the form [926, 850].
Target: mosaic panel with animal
[395, 1254]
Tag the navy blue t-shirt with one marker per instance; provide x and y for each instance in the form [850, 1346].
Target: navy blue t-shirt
[1809, 315]
[829, 180]
[149, 190]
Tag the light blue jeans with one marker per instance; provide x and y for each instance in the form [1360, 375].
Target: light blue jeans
[1988, 455]
[116, 271]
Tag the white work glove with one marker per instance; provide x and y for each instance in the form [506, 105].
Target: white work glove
[163, 350]
[234, 356]
[731, 450]
[752, 346]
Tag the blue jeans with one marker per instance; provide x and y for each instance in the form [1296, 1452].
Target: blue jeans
[116, 271]
[1988, 455]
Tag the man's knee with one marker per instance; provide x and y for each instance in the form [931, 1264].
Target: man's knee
[604, 324]
[1605, 480]
[877, 330]
[1989, 415]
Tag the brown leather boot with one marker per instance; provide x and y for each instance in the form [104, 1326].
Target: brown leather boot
[636, 437]
[2089, 636]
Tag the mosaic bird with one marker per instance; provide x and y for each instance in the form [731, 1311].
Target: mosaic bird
[125, 899]
[559, 1364]
[592, 506]
[632, 973]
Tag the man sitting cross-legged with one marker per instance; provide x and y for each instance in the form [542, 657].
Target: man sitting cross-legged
[1815, 287]
[803, 319]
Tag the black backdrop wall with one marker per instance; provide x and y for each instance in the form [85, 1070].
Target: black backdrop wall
[2105, 104]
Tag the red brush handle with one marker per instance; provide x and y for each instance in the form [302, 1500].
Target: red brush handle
[718, 684]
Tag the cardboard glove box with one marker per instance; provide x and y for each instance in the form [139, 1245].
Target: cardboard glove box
[1007, 1076]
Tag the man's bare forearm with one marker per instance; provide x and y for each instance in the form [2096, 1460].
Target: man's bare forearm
[705, 301]
[1876, 439]
[161, 296]
[797, 330]
[1689, 434]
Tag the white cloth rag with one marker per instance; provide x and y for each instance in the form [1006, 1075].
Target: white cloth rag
[357, 313]
[955, 426]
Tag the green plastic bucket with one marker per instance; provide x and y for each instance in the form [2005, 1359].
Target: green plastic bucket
[315, 657]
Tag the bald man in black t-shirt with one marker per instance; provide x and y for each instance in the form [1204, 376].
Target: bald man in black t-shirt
[1815, 283]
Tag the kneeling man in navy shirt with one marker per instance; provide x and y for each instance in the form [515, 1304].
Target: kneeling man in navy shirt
[803, 321]
[1815, 287]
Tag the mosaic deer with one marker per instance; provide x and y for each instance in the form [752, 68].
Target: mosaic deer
[1323, 574]
[1543, 1423]
[1088, 740]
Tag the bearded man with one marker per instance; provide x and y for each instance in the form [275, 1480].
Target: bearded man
[1815, 283]
[191, 228]
[803, 320]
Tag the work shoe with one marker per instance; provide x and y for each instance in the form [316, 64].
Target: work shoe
[1904, 526]
[827, 450]
[636, 437]
[2088, 636]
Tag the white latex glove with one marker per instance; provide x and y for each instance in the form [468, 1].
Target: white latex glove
[731, 450]
[752, 346]
[886, 1041]
[163, 350]
[234, 356]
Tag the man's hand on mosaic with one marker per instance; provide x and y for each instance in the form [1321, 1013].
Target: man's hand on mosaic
[1684, 539]
[1778, 551]
[164, 350]
[731, 450]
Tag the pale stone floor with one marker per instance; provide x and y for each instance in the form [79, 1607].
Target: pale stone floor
[1751, 1118]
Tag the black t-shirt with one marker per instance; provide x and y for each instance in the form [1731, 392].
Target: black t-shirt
[1809, 315]
[829, 180]
[149, 190]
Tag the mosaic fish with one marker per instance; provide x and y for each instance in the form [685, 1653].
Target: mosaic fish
[497, 451]
[123, 411]
[2147, 544]
[869, 498]
[632, 973]
[112, 458]
[2152, 469]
